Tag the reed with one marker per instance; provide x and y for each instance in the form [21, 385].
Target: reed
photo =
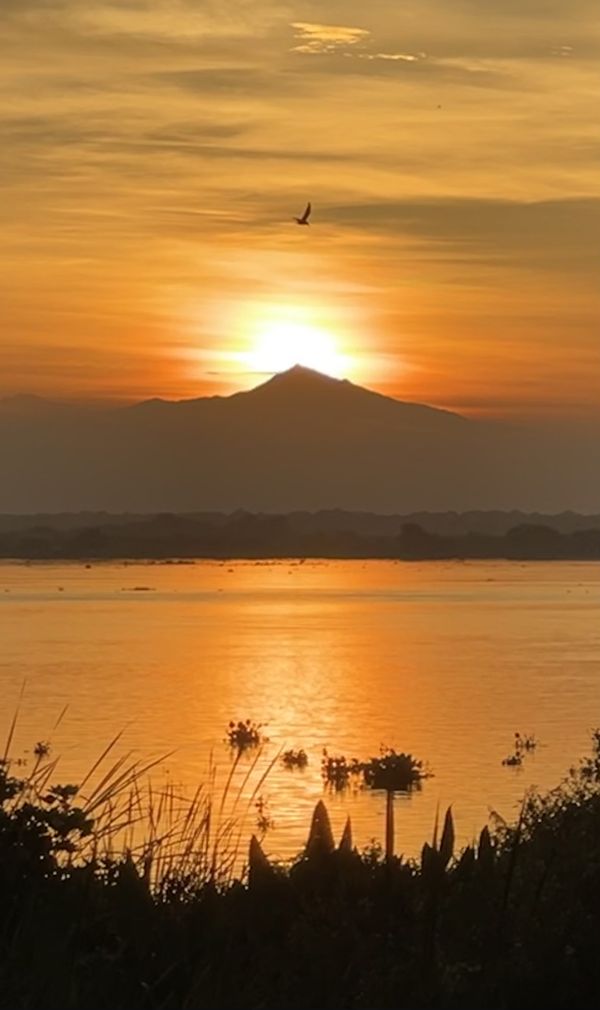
[119, 893]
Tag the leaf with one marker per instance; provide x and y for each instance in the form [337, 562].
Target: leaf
[485, 849]
[346, 839]
[259, 867]
[429, 860]
[436, 827]
[320, 839]
[447, 840]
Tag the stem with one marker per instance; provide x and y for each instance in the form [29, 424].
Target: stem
[389, 825]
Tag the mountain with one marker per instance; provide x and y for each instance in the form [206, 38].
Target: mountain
[26, 405]
[296, 395]
[300, 440]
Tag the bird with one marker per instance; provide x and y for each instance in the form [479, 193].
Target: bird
[305, 216]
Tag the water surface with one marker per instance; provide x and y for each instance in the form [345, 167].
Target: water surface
[445, 660]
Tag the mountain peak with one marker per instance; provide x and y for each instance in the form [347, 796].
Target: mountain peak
[298, 384]
[301, 375]
[301, 392]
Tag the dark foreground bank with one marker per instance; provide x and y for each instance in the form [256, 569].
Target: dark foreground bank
[511, 922]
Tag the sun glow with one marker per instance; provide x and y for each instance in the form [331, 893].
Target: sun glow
[283, 339]
[284, 344]
[260, 338]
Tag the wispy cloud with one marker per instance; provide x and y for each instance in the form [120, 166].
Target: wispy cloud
[157, 149]
[317, 38]
[351, 42]
[558, 235]
[564, 51]
[403, 57]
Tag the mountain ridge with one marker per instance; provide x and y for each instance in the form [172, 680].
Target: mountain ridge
[298, 441]
[297, 381]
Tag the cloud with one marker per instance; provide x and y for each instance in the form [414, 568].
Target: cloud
[244, 81]
[156, 150]
[346, 47]
[38, 368]
[556, 235]
[184, 21]
[478, 28]
[418, 67]
[319, 38]
[404, 57]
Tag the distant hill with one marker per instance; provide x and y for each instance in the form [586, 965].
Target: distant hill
[170, 537]
[332, 521]
[300, 441]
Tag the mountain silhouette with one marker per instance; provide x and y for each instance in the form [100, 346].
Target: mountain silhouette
[299, 440]
[299, 391]
[28, 405]
[294, 389]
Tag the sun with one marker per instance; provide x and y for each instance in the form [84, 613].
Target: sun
[284, 344]
[284, 339]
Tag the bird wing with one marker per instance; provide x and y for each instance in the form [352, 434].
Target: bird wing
[306, 214]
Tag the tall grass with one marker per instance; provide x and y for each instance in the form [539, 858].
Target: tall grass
[117, 813]
[116, 893]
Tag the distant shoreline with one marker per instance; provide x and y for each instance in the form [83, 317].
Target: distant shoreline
[333, 535]
[188, 562]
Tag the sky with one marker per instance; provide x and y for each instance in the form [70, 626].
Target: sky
[155, 153]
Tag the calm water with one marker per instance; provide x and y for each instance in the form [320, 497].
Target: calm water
[445, 660]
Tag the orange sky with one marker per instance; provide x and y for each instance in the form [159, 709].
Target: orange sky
[155, 152]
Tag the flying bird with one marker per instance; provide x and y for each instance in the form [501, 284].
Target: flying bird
[305, 216]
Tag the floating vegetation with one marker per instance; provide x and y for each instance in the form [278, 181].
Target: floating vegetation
[294, 758]
[392, 771]
[242, 735]
[337, 772]
[264, 820]
[524, 744]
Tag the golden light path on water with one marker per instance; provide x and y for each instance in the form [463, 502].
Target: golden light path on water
[445, 660]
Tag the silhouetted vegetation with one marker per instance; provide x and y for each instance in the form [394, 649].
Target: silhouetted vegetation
[338, 771]
[390, 771]
[294, 758]
[393, 772]
[264, 820]
[325, 534]
[241, 735]
[509, 922]
[523, 745]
